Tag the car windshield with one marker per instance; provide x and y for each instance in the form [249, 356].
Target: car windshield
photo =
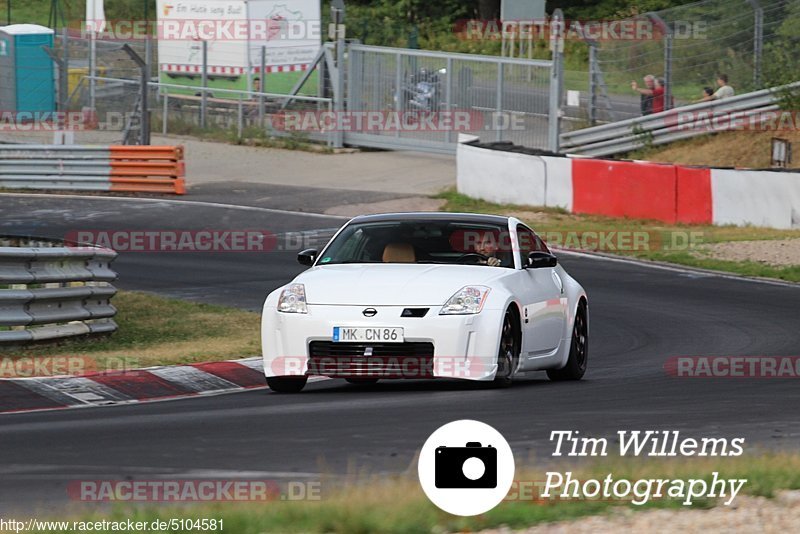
[447, 242]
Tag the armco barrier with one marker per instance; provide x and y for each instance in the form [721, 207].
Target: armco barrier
[151, 169]
[636, 189]
[50, 291]
[676, 124]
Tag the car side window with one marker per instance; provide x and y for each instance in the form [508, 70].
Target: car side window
[529, 242]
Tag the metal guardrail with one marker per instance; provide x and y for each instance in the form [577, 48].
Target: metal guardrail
[52, 291]
[155, 169]
[668, 126]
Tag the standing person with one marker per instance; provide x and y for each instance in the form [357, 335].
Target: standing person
[655, 93]
[724, 91]
[646, 97]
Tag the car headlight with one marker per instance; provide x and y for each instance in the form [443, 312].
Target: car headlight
[467, 300]
[293, 299]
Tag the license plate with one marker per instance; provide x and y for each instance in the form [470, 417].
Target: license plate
[368, 334]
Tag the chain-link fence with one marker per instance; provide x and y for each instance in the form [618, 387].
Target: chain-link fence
[497, 99]
[688, 47]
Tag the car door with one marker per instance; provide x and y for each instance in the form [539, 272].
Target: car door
[543, 299]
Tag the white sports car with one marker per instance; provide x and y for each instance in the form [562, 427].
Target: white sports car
[426, 295]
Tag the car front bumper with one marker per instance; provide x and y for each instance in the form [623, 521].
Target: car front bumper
[463, 346]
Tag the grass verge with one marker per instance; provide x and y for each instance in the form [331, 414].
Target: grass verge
[155, 330]
[680, 244]
[398, 505]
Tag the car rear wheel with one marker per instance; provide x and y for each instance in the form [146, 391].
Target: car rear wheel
[508, 353]
[287, 384]
[578, 349]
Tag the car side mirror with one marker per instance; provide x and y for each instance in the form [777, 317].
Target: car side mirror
[538, 260]
[307, 257]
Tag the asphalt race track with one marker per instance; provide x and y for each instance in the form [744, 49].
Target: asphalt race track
[640, 317]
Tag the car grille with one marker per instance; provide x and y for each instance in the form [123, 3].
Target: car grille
[372, 360]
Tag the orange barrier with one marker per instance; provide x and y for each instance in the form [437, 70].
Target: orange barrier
[149, 169]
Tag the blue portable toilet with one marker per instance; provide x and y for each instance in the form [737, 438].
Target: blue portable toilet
[27, 74]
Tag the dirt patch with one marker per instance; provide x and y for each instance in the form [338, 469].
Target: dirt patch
[397, 205]
[728, 149]
[780, 253]
[746, 514]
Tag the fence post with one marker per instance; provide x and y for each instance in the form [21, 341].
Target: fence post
[204, 82]
[556, 79]
[593, 83]
[668, 70]
[164, 113]
[398, 91]
[448, 96]
[499, 103]
[240, 119]
[63, 81]
[263, 85]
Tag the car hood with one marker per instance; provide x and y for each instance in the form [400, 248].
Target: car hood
[393, 284]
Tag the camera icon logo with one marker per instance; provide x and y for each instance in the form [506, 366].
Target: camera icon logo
[466, 467]
[472, 466]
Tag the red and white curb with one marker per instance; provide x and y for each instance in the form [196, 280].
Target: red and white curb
[130, 386]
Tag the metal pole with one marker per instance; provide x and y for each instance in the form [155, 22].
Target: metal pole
[204, 83]
[240, 120]
[499, 103]
[668, 70]
[398, 91]
[338, 94]
[263, 85]
[164, 113]
[758, 43]
[593, 83]
[448, 96]
[92, 68]
[556, 71]
[63, 81]
[144, 133]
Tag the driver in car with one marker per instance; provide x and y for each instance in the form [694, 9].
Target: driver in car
[487, 246]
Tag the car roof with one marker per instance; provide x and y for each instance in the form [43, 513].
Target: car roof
[432, 216]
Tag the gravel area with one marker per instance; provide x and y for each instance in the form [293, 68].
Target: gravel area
[745, 515]
[781, 253]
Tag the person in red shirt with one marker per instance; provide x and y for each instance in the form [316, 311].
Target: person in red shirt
[657, 94]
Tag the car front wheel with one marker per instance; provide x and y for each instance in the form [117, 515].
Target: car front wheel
[578, 349]
[508, 353]
[287, 384]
